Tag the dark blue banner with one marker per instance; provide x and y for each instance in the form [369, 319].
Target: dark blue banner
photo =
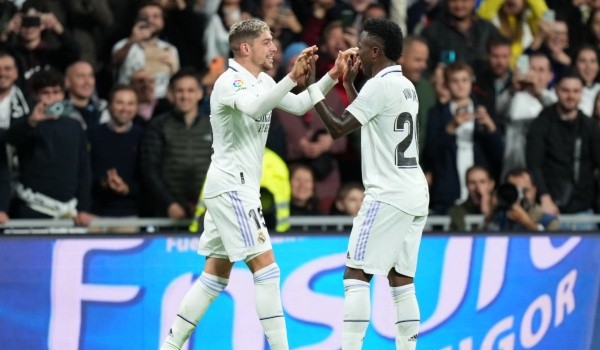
[481, 292]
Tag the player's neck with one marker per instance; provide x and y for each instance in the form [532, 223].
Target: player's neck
[249, 66]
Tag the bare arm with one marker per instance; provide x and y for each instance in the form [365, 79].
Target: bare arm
[353, 66]
[337, 125]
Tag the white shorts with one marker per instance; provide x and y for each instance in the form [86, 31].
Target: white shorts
[384, 237]
[234, 227]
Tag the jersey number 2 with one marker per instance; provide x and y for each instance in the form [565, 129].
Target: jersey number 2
[401, 160]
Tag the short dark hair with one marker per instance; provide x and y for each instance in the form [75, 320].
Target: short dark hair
[498, 41]
[118, 88]
[8, 54]
[46, 78]
[185, 72]
[570, 73]
[457, 66]
[388, 33]
[514, 172]
[475, 168]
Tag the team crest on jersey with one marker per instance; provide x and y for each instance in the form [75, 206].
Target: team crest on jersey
[261, 237]
[239, 84]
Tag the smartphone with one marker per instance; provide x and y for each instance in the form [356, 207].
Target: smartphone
[31, 21]
[522, 64]
[462, 109]
[58, 109]
[549, 16]
[447, 56]
[347, 17]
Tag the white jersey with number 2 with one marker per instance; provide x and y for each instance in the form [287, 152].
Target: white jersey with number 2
[387, 107]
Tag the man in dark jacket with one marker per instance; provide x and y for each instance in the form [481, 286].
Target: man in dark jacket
[54, 166]
[459, 32]
[563, 151]
[176, 150]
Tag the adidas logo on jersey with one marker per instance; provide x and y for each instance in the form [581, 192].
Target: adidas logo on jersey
[414, 337]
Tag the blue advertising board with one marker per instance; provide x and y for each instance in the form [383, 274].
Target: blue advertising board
[475, 292]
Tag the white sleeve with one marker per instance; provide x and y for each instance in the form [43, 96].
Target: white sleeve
[368, 103]
[256, 107]
[301, 103]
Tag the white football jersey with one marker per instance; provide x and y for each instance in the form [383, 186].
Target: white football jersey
[387, 107]
[238, 140]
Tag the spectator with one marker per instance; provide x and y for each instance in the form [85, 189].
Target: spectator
[553, 41]
[521, 178]
[575, 13]
[349, 199]
[303, 200]
[12, 107]
[33, 51]
[144, 49]
[281, 19]
[563, 151]
[532, 96]
[460, 134]
[143, 83]
[480, 186]
[586, 62]
[517, 20]
[176, 149]
[114, 158]
[80, 85]
[414, 64]
[459, 30]
[493, 86]
[54, 166]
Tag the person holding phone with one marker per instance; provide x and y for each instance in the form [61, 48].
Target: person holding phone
[54, 179]
[23, 37]
[460, 134]
[144, 49]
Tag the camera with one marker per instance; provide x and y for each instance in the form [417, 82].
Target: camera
[508, 195]
[59, 109]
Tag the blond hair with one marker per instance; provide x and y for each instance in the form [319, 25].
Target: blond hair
[245, 31]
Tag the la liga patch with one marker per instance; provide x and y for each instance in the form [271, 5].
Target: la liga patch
[239, 84]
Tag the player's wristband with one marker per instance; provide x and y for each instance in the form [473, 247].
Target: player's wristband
[315, 94]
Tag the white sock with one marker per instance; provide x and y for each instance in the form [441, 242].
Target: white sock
[192, 308]
[268, 306]
[407, 317]
[357, 313]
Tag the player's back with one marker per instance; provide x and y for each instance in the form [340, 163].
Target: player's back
[387, 106]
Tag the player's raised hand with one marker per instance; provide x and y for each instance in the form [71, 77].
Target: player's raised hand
[302, 64]
[351, 69]
[341, 62]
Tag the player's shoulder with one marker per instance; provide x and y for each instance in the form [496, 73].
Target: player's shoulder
[230, 81]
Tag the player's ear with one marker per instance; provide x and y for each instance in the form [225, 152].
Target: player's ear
[245, 48]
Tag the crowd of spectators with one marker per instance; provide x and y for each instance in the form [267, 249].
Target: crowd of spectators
[104, 105]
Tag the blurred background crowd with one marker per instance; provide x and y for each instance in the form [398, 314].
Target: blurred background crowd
[104, 107]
